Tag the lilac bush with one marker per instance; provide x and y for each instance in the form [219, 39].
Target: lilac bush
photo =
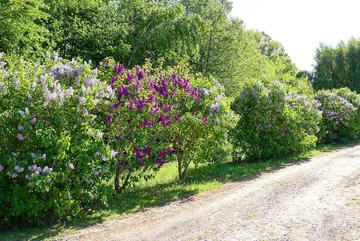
[340, 115]
[49, 139]
[156, 116]
[273, 124]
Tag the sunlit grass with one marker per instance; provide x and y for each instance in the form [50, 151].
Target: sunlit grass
[166, 187]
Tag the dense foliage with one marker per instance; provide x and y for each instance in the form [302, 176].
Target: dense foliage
[71, 129]
[338, 67]
[272, 124]
[340, 115]
[74, 133]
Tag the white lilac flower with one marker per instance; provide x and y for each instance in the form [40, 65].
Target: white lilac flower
[85, 112]
[90, 132]
[14, 154]
[215, 107]
[47, 189]
[22, 113]
[47, 169]
[33, 155]
[18, 169]
[1, 168]
[205, 91]
[97, 153]
[27, 111]
[105, 158]
[114, 153]
[96, 101]
[17, 82]
[20, 128]
[82, 100]
[100, 134]
[1, 54]
[71, 166]
[20, 137]
[41, 80]
[43, 156]
[14, 175]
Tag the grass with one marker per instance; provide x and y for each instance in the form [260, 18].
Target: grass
[165, 188]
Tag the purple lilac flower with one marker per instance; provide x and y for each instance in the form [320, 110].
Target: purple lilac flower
[118, 138]
[97, 153]
[20, 128]
[132, 105]
[33, 121]
[119, 68]
[169, 149]
[138, 85]
[167, 108]
[123, 91]
[43, 156]
[130, 77]
[205, 121]
[20, 137]
[162, 153]
[22, 113]
[14, 175]
[89, 181]
[108, 119]
[140, 73]
[141, 163]
[141, 104]
[151, 98]
[1, 168]
[149, 123]
[28, 177]
[95, 173]
[177, 117]
[71, 166]
[155, 109]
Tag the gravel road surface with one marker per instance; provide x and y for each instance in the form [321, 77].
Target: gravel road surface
[316, 199]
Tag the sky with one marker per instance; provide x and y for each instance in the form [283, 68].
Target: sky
[300, 26]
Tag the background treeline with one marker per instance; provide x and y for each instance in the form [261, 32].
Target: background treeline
[200, 33]
[338, 66]
[176, 81]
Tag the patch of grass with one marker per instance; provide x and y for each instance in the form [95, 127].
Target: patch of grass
[165, 187]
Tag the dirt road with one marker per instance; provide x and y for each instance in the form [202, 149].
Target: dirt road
[315, 200]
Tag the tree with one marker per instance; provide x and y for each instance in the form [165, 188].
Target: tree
[22, 31]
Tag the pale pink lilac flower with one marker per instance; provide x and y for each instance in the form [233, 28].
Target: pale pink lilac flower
[71, 166]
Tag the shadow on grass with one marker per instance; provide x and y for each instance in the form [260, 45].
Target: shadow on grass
[140, 198]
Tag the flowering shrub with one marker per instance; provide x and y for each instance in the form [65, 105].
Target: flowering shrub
[272, 124]
[52, 149]
[155, 116]
[340, 117]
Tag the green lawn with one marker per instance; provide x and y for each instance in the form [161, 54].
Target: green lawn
[165, 188]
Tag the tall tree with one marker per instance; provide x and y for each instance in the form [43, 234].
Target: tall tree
[22, 31]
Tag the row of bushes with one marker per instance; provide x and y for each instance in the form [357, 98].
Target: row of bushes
[72, 135]
[273, 123]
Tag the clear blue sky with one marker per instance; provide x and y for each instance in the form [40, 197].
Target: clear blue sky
[300, 26]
